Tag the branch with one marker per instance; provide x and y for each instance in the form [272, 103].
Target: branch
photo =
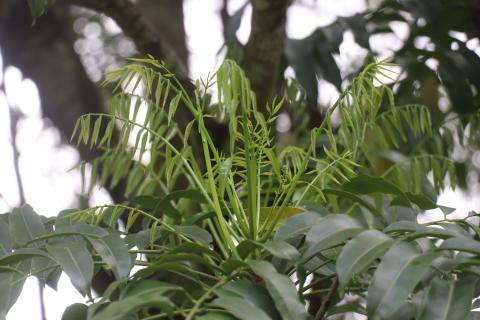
[328, 299]
[263, 52]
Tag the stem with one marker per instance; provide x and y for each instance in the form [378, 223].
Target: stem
[199, 302]
[328, 299]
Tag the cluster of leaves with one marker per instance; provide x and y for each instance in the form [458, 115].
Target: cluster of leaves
[255, 230]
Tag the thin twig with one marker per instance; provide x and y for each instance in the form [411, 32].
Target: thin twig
[328, 299]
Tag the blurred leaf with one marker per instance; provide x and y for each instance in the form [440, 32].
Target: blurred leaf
[461, 244]
[6, 243]
[297, 225]
[114, 252]
[195, 233]
[401, 269]
[142, 294]
[282, 250]
[330, 231]
[246, 300]
[164, 204]
[25, 224]
[360, 252]
[76, 311]
[282, 290]
[39, 7]
[22, 254]
[11, 284]
[76, 262]
[448, 299]
[215, 316]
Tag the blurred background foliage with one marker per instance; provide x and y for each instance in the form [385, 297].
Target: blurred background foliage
[436, 44]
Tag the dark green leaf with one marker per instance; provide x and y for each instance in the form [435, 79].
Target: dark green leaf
[461, 244]
[401, 269]
[22, 254]
[196, 233]
[330, 231]
[76, 311]
[364, 184]
[11, 284]
[282, 290]
[114, 252]
[215, 316]
[282, 250]
[75, 260]
[6, 243]
[140, 295]
[448, 299]
[360, 252]
[255, 296]
[296, 225]
[25, 224]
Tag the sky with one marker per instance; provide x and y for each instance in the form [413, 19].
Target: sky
[46, 163]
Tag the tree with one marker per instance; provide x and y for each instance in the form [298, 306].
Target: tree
[240, 248]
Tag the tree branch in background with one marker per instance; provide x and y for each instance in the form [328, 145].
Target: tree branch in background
[263, 53]
[134, 24]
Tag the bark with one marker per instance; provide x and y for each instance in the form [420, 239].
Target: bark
[263, 53]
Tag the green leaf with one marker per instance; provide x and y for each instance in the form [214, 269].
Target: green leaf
[461, 244]
[282, 250]
[6, 243]
[22, 254]
[215, 316]
[255, 296]
[196, 233]
[298, 224]
[76, 311]
[330, 231]
[365, 184]
[239, 307]
[25, 224]
[401, 269]
[11, 284]
[142, 294]
[360, 252]
[76, 262]
[87, 230]
[164, 204]
[282, 290]
[39, 7]
[448, 299]
[114, 252]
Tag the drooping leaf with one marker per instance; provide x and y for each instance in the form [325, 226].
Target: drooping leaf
[195, 232]
[142, 294]
[282, 249]
[282, 290]
[360, 252]
[114, 252]
[401, 269]
[461, 244]
[448, 299]
[330, 231]
[25, 224]
[76, 311]
[77, 263]
[11, 284]
[22, 254]
[255, 296]
[297, 225]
